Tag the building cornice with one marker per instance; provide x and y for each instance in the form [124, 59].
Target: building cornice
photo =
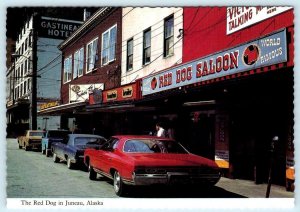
[95, 18]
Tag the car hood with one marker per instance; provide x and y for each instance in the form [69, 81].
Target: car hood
[163, 159]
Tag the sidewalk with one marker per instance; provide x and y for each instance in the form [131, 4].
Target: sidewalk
[248, 188]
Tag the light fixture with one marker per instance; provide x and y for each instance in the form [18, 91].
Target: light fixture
[199, 103]
[180, 33]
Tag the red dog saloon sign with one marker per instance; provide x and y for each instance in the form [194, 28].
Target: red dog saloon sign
[265, 51]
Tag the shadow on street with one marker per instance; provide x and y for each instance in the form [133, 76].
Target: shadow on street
[178, 191]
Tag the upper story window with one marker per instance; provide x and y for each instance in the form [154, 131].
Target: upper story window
[67, 69]
[129, 64]
[91, 57]
[108, 51]
[147, 46]
[169, 36]
[78, 63]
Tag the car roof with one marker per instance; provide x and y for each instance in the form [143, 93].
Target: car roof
[35, 130]
[126, 137]
[85, 135]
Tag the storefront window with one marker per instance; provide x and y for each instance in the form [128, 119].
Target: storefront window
[67, 69]
[78, 63]
[92, 50]
[109, 45]
[129, 54]
[169, 36]
[147, 46]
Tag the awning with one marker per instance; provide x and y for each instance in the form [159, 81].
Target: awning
[119, 107]
[75, 107]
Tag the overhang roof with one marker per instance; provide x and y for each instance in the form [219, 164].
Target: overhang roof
[64, 108]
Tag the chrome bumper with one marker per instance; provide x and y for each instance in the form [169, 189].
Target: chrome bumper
[175, 178]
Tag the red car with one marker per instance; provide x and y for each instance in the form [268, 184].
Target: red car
[148, 160]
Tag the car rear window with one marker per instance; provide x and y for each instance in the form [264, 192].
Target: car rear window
[88, 140]
[36, 133]
[153, 146]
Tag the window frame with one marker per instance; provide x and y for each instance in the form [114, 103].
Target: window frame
[129, 55]
[78, 62]
[94, 54]
[109, 60]
[168, 52]
[145, 48]
[69, 58]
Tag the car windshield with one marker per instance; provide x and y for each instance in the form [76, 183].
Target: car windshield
[58, 134]
[153, 146]
[36, 133]
[81, 141]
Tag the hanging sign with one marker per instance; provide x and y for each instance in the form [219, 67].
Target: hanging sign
[265, 51]
[242, 17]
[80, 92]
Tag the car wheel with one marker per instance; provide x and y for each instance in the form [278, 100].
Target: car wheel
[47, 152]
[119, 186]
[92, 173]
[55, 158]
[70, 165]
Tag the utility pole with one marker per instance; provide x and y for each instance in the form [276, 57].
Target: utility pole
[33, 104]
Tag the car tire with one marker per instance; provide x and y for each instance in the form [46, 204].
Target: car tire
[20, 147]
[55, 158]
[27, 148]
[119, 186]
[92, 173]
[47, 153]
[70, 165]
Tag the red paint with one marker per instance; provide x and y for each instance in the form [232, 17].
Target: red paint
[205, 32]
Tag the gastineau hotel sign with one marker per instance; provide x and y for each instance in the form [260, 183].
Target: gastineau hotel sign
[57, 28]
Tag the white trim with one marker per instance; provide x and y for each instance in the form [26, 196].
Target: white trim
[108, 30]
[68, 80]
[79, 60]
[87, 70]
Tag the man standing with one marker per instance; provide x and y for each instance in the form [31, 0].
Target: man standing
[161, 132]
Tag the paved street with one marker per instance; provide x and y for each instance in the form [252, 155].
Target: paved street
[31, 174]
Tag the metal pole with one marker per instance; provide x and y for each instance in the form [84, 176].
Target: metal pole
[33, 105]
[272, 150]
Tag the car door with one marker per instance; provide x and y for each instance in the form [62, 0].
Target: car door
[106, 155]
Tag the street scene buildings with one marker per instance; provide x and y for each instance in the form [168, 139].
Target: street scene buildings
[219, 79]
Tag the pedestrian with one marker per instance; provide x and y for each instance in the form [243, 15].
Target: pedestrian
[160, 131]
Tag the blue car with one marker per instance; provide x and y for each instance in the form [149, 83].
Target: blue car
[50, 137]
[72, 148]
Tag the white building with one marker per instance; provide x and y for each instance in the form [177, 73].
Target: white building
[50, 33]
[151, 40]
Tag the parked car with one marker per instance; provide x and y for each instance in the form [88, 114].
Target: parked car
[148, 160]
[31, 139]
[71, 149]
[50, 137]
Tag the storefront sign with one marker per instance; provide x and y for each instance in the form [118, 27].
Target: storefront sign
[242, 17]
[95, 97]
[57, 28]
[120, 94]
[258, 53]
[48, 105]
[80, 92]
